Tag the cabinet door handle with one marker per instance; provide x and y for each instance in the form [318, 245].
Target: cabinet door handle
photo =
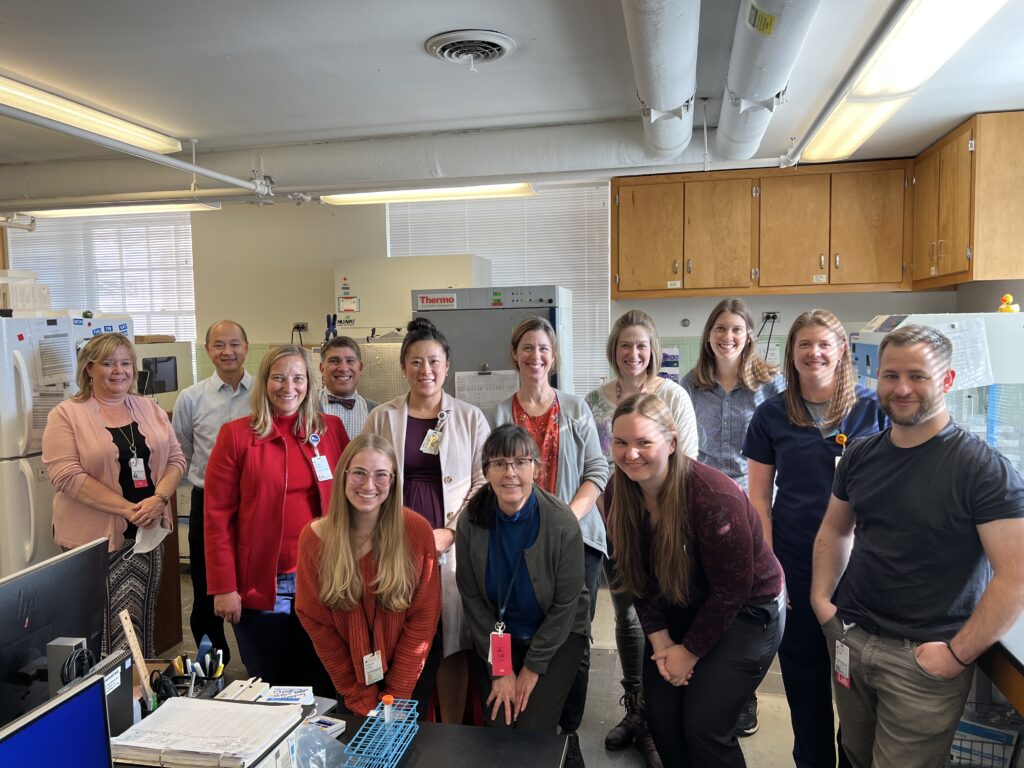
[837, 261]
[689, 266]
[931, 251]
[938, 248]
[821, 261]
[675, 266]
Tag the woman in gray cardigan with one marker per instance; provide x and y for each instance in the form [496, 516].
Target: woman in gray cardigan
[572, 466]
[520, 574]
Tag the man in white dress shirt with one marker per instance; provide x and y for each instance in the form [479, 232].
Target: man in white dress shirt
[341, 365]
[199, 413]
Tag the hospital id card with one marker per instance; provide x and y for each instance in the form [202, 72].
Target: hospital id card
[500, 654]
[138, 469]
[322, 468]
[373, 668]
[842, 666]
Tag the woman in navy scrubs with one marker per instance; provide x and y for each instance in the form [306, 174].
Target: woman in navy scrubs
[794, 442]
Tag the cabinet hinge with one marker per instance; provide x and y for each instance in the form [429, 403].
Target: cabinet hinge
[755, 191]
[616, 278]
[755, 273]
[970, 145]
[969, 254]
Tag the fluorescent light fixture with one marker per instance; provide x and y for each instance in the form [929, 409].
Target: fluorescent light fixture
[37, 102]
[924, 38]
[123, 210]
[481, 192]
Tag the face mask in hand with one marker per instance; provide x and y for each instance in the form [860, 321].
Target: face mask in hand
[148, 539]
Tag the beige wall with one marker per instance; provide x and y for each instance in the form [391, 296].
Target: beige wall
[271, 266]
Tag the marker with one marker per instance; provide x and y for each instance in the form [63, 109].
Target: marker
[192, 684]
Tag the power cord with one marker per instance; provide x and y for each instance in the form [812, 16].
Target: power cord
[76, 665]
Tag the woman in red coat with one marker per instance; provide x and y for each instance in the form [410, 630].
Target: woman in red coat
[269, 475]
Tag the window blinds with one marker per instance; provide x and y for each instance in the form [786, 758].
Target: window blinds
[139, 265]
[558, 237]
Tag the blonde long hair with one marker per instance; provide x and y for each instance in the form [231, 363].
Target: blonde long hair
[845, 395]
[310, 420]
[100, 348]
[341, 582]
[754, 370]
[672, 556]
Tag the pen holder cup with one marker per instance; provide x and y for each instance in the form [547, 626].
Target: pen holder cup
[205, 687]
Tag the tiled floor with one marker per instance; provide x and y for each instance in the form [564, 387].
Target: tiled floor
[770, 747]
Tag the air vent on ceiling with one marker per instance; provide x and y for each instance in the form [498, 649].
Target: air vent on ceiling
[470, 45]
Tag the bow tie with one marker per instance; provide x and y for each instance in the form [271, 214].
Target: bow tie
[348, 403]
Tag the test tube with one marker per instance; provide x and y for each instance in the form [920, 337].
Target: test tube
[387, 701]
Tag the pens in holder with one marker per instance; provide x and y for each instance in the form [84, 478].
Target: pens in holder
[192, 684]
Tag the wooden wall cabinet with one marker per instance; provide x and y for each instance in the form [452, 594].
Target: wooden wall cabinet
[795, 230]
[968, 199]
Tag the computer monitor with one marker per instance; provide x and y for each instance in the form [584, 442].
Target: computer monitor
[163, 375]
[64, 596]
[70, 729]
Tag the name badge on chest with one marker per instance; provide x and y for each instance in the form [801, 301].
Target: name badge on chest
[138, 469]
[431, 442]
[322, 468]
[373, 668]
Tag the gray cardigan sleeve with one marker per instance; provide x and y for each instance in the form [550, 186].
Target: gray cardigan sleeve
[567, 577]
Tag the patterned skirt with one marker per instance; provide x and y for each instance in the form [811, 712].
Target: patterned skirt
[133, 583]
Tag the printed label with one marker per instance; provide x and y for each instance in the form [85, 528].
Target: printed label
[436, 301]
[759, 21]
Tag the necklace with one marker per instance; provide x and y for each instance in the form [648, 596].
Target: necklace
[618, 389]
[129, 438]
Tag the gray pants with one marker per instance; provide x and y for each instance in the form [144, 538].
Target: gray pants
[894, 714]
[629, 636]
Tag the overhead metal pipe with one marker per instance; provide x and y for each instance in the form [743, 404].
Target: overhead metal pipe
[260, 186]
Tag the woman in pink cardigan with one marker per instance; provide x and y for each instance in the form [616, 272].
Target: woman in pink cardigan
[114, 460]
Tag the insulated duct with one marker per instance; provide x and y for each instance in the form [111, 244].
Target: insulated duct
[769, 36]
[589, 149]
[662, 38]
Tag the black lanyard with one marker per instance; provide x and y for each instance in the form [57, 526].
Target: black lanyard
[511, 585]
[369, 624]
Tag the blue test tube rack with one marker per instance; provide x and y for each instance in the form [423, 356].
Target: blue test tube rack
[381, 745]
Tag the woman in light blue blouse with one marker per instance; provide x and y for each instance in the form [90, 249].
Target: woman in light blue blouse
[729, 381]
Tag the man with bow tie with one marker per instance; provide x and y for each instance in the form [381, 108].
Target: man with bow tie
[199, 413]
[341, 365]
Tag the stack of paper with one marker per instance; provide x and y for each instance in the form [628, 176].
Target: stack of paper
[205, 732]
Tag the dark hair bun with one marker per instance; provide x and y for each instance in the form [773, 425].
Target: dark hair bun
[421, 325]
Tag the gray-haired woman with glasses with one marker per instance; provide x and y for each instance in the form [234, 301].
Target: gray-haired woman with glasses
[520, 552]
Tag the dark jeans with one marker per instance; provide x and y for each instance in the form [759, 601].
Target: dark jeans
[629, 635]
[275, 647]
[807, 676]
[202, 620]
[572, 714]
[548, 697]
[694, 724]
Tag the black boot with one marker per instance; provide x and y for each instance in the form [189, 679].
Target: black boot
[573, 754]
[622, 735]
[645, 744]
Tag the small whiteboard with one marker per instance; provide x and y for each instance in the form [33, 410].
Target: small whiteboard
[486, 390]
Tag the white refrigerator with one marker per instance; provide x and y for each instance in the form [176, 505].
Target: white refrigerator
[37, 368]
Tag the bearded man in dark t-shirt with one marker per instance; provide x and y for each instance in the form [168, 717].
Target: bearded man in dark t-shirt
[920, 515]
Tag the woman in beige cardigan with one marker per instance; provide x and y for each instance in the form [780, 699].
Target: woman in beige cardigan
[438, 441]
[114, 460]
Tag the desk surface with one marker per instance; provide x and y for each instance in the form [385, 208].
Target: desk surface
[465, 745]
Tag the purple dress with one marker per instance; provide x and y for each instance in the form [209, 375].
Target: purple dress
[421, 483]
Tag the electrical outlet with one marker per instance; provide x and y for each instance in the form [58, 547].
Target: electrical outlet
[301, 327]
[771, 316]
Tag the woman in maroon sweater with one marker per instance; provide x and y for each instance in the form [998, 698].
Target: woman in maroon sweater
[708, 592]
[369, 590]
[269, 474]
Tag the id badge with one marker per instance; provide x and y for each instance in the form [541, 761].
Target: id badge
[431, 442]
[842, 664]
[138, 469]
[499, 655]
[322, 468]
[373, 668]
[838, 459]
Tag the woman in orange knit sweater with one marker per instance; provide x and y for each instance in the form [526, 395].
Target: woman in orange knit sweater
[368, 591]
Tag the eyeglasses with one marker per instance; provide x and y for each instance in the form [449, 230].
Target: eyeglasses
[500, 466]
[358, 477]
